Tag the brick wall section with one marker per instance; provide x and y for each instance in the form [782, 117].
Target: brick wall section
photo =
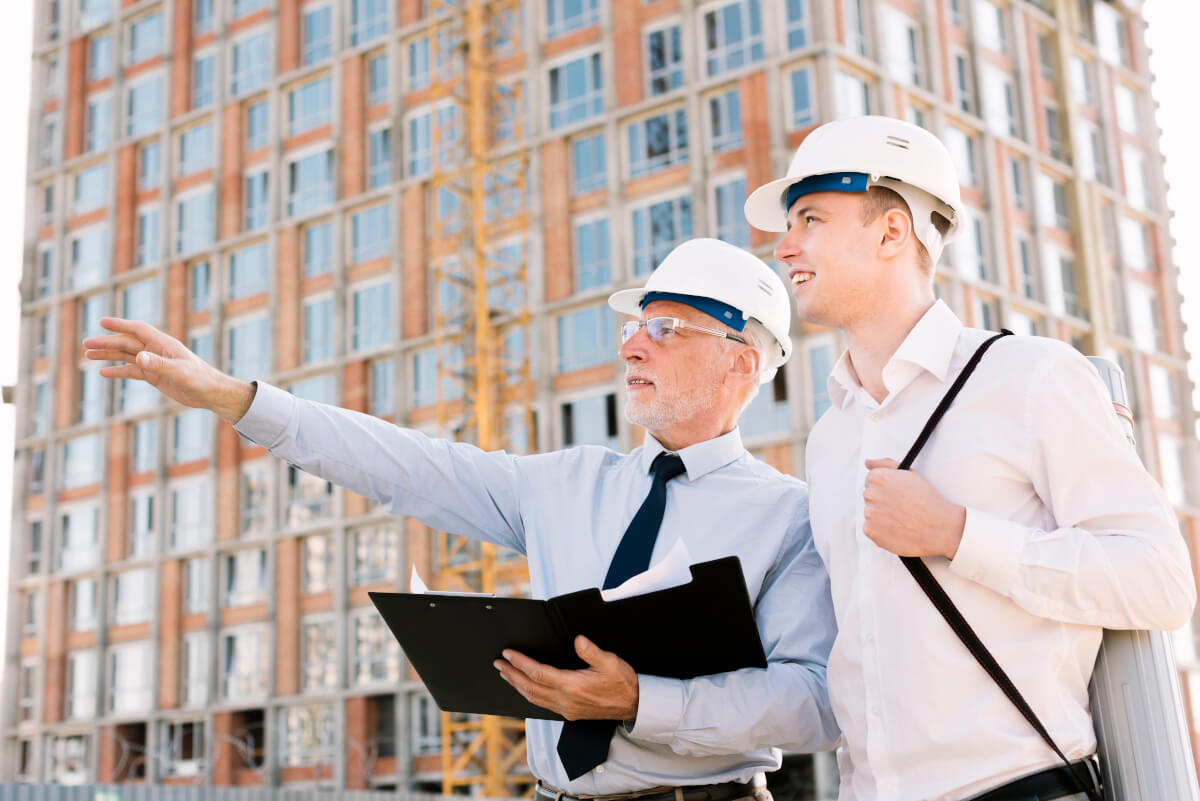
[287, 616]
[230, 212]
[225, 756]
[357, 733]
[177, 301]
[289, 35]
[56, 652]
[118, 489]
[76, 97]
[288, 336]
[229, 474]
[181, 58]
[414, 278]
[408, 11]
[355, 380]
[109, 755]
[353, 130]
[126, 222]
[627, 50]
[756, 135]
[556, 219]
[170, 638]
[66, 385]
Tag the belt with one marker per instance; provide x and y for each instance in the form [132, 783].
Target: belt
[726, 791]
[1051, 783]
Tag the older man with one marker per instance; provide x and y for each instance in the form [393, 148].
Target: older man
[713, 326]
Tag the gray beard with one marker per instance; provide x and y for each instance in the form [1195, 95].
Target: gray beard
[659, 414]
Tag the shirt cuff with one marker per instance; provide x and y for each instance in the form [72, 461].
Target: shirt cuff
[660, 709]
[268, 416]
[990, 551]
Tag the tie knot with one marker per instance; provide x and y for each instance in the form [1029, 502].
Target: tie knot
[666, 466]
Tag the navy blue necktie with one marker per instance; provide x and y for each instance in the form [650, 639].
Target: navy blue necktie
[584, 744]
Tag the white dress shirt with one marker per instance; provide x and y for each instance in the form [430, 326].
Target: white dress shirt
[1065, 533]
[566, 511]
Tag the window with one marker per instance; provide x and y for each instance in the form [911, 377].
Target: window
[664, 60]
[375, 557]
[962, 147]
[131, 597]
[592, 267]
[970, 248]
[203, 79]
[258, 126]
[200, 344]
[254, 492]
[306, 735]
[371, 234]
[576, 91]
[425, 379]
[732, 36]
[1052, 202]
[67, 759]
[245, 578]
[904, 56]
[47, 204]
[368, 20]
[145, 446]
[91, 395]
[196, 149]
[820, 365]
[37, 471]
[377, 79]
[317, 38]
[1135, 244]
[30, 616]
[200, 286]
[81, 461]
[372, 317]
[964, 93]
[1163, 394]
[658, 142]
[99, 57]
[564, 16]
[195, 585]
[1170, 464]
[195, 222]
[1060, 284]
[1054, 133]
[93, 13]
[149, 166]
[183, 748]
[725, 121]
[418, 64]
[316, 564]
[1000, 104]
[591, 421]
[256, 200]
[94, 308]
[41, 341]
[990, 29]
[310, 183]
[248, 271]
[40, 421]
[191, 522]
[383, 387]
[1028, 276]
[249, 348]
[91, 189]
[379, 165]
[426, 719]
[90, 257]
[98, 135]
[318, 330]
[1110, 35]
[803, 113]
[149, 247]
[251, 63]
[81, 685]
[1144, 316]
[191, 436]
[729, 198]
[768, 412]
[1090, 152]
[588, 172]
[242, 8]
[852, 94]
[245, 666]
[318, 249]
[1136, 190]
[84, 615]
[34, 551]
[1127, 109]
[657, 229]
[585, 338]
[141, 524]
[309, 105]
[27, 680]
[1016, 186]
[202, 16]
[145, 38]
[45, 272]
[318, 655]
[376, 653]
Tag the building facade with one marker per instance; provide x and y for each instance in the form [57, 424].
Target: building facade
[254, 177]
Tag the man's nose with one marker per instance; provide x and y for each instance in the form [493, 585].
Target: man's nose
[634, 348]
[789, 246]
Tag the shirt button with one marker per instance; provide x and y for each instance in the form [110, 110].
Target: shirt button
[599, 768]
[875, 416]
[875, 711]
[868, 638]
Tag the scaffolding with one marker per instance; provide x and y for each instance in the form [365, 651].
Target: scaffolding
[479, 247]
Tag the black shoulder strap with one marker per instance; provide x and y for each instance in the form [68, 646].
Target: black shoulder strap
[950, 612]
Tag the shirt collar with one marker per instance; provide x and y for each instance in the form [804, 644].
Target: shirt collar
[702, 458]
[929, 346]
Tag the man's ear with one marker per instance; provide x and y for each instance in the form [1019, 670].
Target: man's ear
[745, 364]
[897, 232]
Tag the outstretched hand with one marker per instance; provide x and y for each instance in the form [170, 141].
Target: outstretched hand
[605, 690]
[150, 355]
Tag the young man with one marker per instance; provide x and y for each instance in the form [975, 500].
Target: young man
[1027, 503]
[714, 325]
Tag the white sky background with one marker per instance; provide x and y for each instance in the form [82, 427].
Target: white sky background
[1171, 36]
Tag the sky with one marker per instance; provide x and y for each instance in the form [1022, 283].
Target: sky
[1170, 35]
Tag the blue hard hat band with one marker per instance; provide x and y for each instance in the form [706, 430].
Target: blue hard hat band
[713, 308]
[830, 182]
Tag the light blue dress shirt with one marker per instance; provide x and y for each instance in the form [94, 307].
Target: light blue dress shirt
[566, 511]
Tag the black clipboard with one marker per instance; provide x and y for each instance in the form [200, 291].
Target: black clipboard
[696, 629]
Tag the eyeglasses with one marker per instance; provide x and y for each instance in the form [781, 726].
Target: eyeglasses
[662, 328]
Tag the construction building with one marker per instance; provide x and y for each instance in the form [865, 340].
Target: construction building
[272, 182]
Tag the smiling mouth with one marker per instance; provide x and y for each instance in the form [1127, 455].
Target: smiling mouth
[802, 277]
[638, 382]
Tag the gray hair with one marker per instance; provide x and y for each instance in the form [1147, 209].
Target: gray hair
[763, 342]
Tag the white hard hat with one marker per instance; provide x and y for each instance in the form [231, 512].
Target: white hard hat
[853, 154]
[737, 285]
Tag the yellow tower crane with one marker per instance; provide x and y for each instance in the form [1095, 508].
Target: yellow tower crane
[478, 249]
